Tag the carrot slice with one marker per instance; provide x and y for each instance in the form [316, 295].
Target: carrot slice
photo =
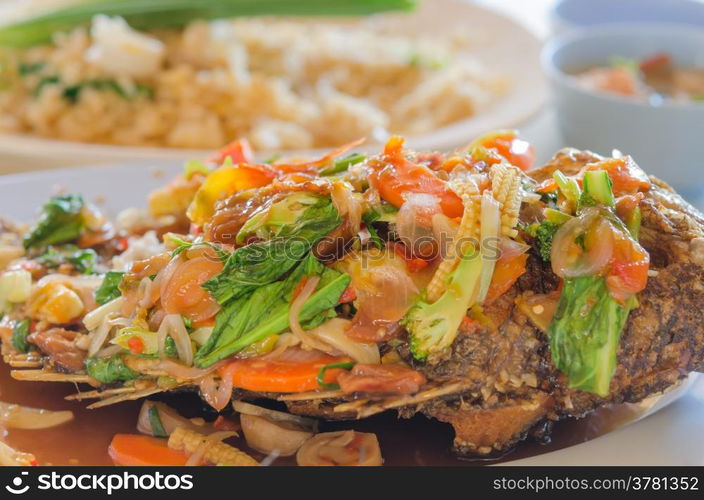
[285, 374]
[137, 450]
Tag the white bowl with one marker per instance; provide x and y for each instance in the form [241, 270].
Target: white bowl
[665, 140]
[568, 15]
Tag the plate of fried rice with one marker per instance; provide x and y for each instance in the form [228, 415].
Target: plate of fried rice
[107, 92]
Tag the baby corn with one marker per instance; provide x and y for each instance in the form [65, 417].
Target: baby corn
[217, 452]
[468, 231]
[506, 189]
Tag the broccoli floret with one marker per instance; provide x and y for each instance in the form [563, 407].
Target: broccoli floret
[544, 234]
[433, 327]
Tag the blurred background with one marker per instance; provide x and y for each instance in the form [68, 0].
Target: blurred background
[96, 85]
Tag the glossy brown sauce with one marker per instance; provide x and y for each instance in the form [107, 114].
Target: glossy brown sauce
[418, 441]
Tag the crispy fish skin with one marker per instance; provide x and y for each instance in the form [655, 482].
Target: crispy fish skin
[512, 389]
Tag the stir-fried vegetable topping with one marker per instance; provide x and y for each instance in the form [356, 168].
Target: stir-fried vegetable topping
[265, 310]
[603, 267]
[293, 234]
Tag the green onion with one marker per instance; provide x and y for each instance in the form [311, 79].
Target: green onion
[142, 14]
[321, 374]
[19, 335]
[155, 422]
[343, 164]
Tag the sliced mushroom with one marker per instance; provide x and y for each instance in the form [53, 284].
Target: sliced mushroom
[340, 448]
[270, 431]
[267, 436]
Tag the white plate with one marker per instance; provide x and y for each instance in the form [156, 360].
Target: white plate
[672, 436]
[502, 45]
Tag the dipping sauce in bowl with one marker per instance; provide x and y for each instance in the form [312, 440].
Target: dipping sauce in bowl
[635, 88]
[653, 79]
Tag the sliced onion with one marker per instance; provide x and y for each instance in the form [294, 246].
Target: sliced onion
[284, 341]
[99, 336]
[294, 311]
[109, 351]
[414, 223]
[569, 259]
[218, 395]
[347, 204]
[490, 228]
[444, 231]
[512, 248]
[23, 417]
[172, 324]
[334, 334]
[340, 448]
[267, 436]
[279, 416]
[163, 277]
[183, 372]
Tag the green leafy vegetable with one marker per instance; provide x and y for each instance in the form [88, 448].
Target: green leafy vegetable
[264, 311]
[82, 260]
[155, 422]
[369, 218]
[109, 289]
[321, 374]
[258, 264]
[19, 335]
[433, 327]
[61, 221]
[585, 332]
[109, 370]
[140, 14]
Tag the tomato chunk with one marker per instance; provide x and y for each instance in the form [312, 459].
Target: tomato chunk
[511, 146]
[396, 177]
